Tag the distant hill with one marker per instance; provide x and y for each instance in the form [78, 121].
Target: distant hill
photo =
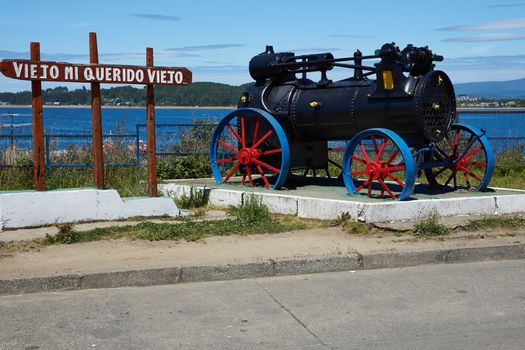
[215, 94]
[195, 94]
[493, 89]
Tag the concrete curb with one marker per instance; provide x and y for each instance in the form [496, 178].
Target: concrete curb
[370, 212]
[171, 275]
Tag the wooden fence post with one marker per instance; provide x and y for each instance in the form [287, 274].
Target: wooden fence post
[39, 162]
[96, 119]
[150, 123]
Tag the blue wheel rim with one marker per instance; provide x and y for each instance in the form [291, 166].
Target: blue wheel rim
[270, 120]
[404, 150]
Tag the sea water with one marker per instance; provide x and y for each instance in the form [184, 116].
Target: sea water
[77, 120]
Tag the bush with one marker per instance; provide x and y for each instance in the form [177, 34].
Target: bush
[183, 167]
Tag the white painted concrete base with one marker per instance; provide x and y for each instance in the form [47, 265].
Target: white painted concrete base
[32, 208]
[373, 212]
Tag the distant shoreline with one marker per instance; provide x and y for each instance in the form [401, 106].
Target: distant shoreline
[127, 107]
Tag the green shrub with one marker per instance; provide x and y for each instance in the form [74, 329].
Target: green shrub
[251, 211]
[65, 235]
[183, 167]
[430, 227]
[197, 198]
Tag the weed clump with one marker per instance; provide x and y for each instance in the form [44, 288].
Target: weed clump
[251, 211]
[351, 226]
[196, 198]
[65, 235]
[430, 227]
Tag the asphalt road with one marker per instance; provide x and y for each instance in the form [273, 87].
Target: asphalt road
[456, 306]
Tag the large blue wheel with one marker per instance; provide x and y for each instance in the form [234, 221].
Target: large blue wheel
[378, 163]
[465, 159]
[250, 146]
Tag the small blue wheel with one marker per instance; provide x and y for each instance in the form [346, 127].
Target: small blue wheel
[467, 157]
[251, 144]
[379, 163]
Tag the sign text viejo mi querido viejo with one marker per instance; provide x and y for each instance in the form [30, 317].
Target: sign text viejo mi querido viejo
[89, 73]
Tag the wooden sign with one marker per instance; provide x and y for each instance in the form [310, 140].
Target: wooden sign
[94, 73]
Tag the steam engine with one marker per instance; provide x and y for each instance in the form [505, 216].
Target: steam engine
[395, 126]
[419, 106]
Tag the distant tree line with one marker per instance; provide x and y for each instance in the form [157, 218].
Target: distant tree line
[195, 94]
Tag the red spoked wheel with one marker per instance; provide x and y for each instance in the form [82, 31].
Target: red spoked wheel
[464, 160]
[251, 145]
[379, 163]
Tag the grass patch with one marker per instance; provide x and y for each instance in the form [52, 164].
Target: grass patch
[351, 226]
[197, 198]
[493, 222]
[252, 211]
[430, 227]
[252, 217]
[66, 235]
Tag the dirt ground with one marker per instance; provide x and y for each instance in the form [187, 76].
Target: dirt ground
[124, 254]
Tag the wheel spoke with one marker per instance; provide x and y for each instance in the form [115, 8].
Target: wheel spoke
[396, 168]
[385, 187]
[272, 151]
[243, 139]
[334, 163]
[471, 153]
[360, 160]
[267, 166]
[481, 164]
[226, 160]
[232, 171]
[221, 142]
[365, 156]
[360, 172]
[249, 172]
[466, 171]
[399, 182]
[381, 149]
[243, 178]
[262, 139]
[234, 133]
[370, 187]
[456, 141]
[437, 173]
[374, 143]
[363, 185]
[256, 131]
[450, 178]
[393, 156]
[263, 177]
[467, 180]
[444, 155]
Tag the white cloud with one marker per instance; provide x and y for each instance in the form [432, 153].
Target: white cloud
[487, 37]
[497, 25]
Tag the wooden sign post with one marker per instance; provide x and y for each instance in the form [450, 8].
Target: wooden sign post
[94, 73]
[96, 119]
[150, 125]
[39, 161]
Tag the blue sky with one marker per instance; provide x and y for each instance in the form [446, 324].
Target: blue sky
[481, 39]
